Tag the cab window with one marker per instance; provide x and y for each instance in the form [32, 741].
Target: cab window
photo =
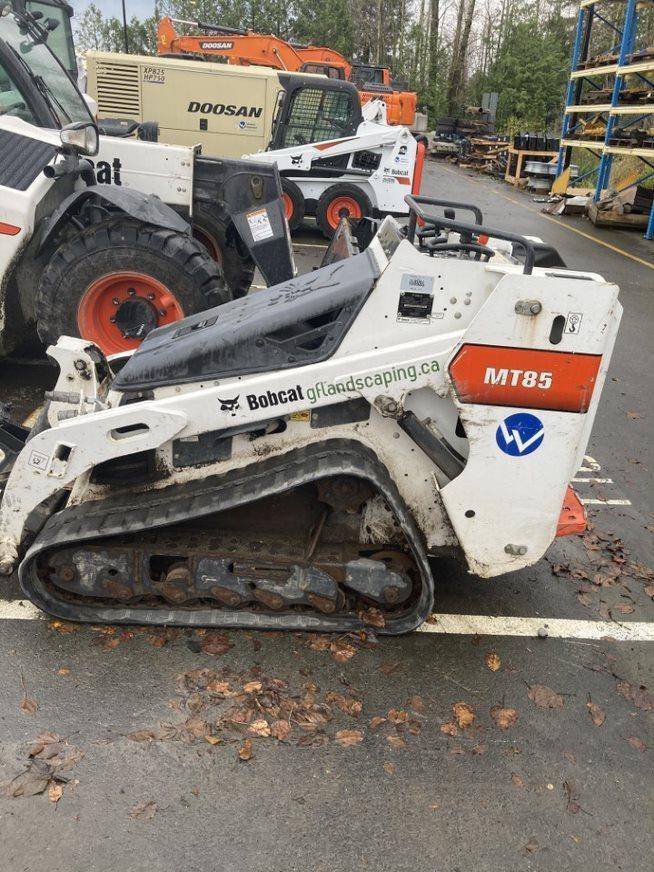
[316, 115]
[12, 101]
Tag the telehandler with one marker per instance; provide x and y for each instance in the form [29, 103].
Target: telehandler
[94, 231]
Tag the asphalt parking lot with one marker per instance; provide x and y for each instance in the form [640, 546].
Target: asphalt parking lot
[484, 747]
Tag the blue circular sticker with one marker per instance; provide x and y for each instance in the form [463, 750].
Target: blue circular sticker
[520, 434]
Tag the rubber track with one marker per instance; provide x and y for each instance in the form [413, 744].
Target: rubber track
[131, 513]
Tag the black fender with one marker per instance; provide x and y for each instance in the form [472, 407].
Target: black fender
[249, 190]
[148, 209]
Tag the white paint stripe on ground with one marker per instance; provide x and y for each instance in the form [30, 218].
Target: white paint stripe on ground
[596, 480]
[454, 625]
[309, 245]
[557, 628]
[606, 502]
[20, 610]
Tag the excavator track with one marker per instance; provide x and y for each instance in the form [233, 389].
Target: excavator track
[160, 557]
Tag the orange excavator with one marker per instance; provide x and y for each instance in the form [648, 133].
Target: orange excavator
[246, 48]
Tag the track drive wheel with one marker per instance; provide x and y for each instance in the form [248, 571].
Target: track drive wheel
[294, 205]
[213, 229]
[117, 280]
[341, 201]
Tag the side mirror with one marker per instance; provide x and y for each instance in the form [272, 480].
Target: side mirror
[81, 136]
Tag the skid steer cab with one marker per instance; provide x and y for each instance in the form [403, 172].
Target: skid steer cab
[292, 459]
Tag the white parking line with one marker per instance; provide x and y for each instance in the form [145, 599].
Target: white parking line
[556, 628]
[596, 480]
[454, 625]
[599, 502]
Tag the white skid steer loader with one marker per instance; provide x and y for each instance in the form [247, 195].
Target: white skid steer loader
[291, 459]
[367, 174]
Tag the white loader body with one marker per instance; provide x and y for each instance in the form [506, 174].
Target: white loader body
[524, 399]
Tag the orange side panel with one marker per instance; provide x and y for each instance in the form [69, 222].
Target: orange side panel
[573, 519]
[8, 229]
[525, 377]
[417, 170]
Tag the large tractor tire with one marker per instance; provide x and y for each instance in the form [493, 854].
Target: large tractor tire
[117, 280]
[211, 227]
[294, 205]
[341, 201]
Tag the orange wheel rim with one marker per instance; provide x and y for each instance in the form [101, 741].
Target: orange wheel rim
[342, 207]
[209, 242]
[288, 206]
[118, 310]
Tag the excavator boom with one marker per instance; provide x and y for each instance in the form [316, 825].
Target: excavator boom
[246, 48]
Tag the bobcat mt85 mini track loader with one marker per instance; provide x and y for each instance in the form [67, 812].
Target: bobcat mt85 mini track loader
[293, 458]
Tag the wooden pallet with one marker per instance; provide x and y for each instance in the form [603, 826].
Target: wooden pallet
[516, 160]
[628, 220]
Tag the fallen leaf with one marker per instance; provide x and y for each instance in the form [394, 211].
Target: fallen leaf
[625, 608]
[396, 741]
[649, 590]
[544, 697]
[457, 749]
[63, 670]
[259, 728]
[216, 643]
[390, 768]
[143, 736]
[397, 716]
[373, 617]
[342, 651]
[576, 839]
[252, 687]
[280, 730]
[464, 714]
[64, 627]
[55, 792]
[570, 757]
[640, 696]
[504, 717]
[245, 751]
[637, 743]
[213, 740]
[635, 416]
[319, 642]
[416, 704]
[492, 660]
[480, 749]
[31, 781]
[144, 811]
[572, 797]
[346, 738]
[346, 704]
[517, 780]
[197, 727]
[449, 728]
[531, 847]
[376, 722]
[28, 705]
[596, 712]
[389, 666]
[585, 599]
[221, 688]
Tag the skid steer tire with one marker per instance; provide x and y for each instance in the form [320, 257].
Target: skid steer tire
[211, 228]
[340, 201]
[117, 280]
[294, 205]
